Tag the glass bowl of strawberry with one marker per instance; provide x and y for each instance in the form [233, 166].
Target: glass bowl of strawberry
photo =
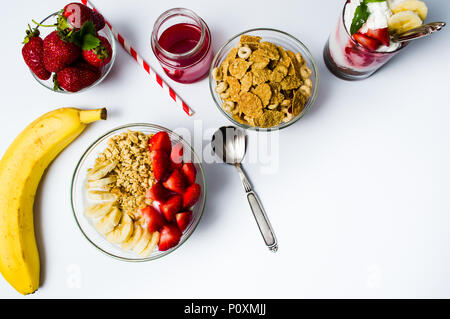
[71, 50]
[174, 200]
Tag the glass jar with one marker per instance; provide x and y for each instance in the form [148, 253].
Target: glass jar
[181, 41]
[348, 59]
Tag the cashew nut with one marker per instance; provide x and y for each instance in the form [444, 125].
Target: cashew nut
[221, 87]
[305, 72]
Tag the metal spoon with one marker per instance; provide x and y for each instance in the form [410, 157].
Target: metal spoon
[419, 32]
[230, 144]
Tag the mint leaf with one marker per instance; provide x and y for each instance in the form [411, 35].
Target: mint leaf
[362, 13]
[90, 42]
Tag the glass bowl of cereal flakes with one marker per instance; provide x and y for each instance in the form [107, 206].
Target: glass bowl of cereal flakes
[123, 193]
[264, 79]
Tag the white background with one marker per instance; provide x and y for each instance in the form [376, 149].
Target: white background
[359, 200]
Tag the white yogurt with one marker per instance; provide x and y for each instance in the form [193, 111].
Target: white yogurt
[380, 12]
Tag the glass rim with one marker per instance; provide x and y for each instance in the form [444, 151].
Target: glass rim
[98, 141]
[167, 15]
[359, 44]
[311, 99]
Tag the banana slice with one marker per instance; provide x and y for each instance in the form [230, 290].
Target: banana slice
[134, 238]
[98, 210]
[101, 196]
[122, 232]
[101, 183]
[109, 221]
[416, 6]
[151, 245]
[101, 171]
[403, 21]
[143, 242]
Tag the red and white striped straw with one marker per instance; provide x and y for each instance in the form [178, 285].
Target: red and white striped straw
[144, 64]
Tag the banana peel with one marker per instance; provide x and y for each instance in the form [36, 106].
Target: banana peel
[21, 169]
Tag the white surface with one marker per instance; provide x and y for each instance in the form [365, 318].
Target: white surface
[359, 201]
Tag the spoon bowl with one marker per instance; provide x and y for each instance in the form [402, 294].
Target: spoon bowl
[230, 144]
[419, 32]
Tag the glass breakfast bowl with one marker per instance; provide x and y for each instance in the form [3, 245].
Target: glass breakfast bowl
[105, 32]
[79, 200]
[288, 42]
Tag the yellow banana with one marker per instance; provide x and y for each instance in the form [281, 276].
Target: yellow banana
[21, 169]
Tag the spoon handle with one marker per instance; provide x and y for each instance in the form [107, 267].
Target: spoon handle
[258, 212]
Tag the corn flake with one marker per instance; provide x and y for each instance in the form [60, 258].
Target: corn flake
[246, 82]
[264, 92]
[250, 104]
[238, 68]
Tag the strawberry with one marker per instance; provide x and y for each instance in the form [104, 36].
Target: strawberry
[366, 41]
[76, 14]
[73, 79]
[189, 172]
[153, 219]
[183, 219]
[84, 65]
[157, 192]
[381, 35]
[161, 164]
[170, 236]
[160, 142]
[33, 53]
[176, 182]
[171, 207]
[176, 156]
[98, 20]
[58, 53]
[191, 195]
[100, 55]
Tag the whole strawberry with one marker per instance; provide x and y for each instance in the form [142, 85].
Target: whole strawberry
[100, 55]
[75, 78]
[59, 53]
[76, 14]
[33, 52]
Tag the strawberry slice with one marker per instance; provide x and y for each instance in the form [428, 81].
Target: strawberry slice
[366, 41]
[381, 35]
[183, 219]
[153, 218]
[177, 156]
[160, 142]
[189, 172]
[176, 182]
[171, 207]
[170, 236]
[161, 164]
[191, 195]
[157, 192]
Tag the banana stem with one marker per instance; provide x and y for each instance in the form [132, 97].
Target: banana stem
[89, 116]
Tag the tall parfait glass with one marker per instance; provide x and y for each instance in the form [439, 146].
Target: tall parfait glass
[348, 59]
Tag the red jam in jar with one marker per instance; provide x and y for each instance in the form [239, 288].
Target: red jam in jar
[181, 41]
